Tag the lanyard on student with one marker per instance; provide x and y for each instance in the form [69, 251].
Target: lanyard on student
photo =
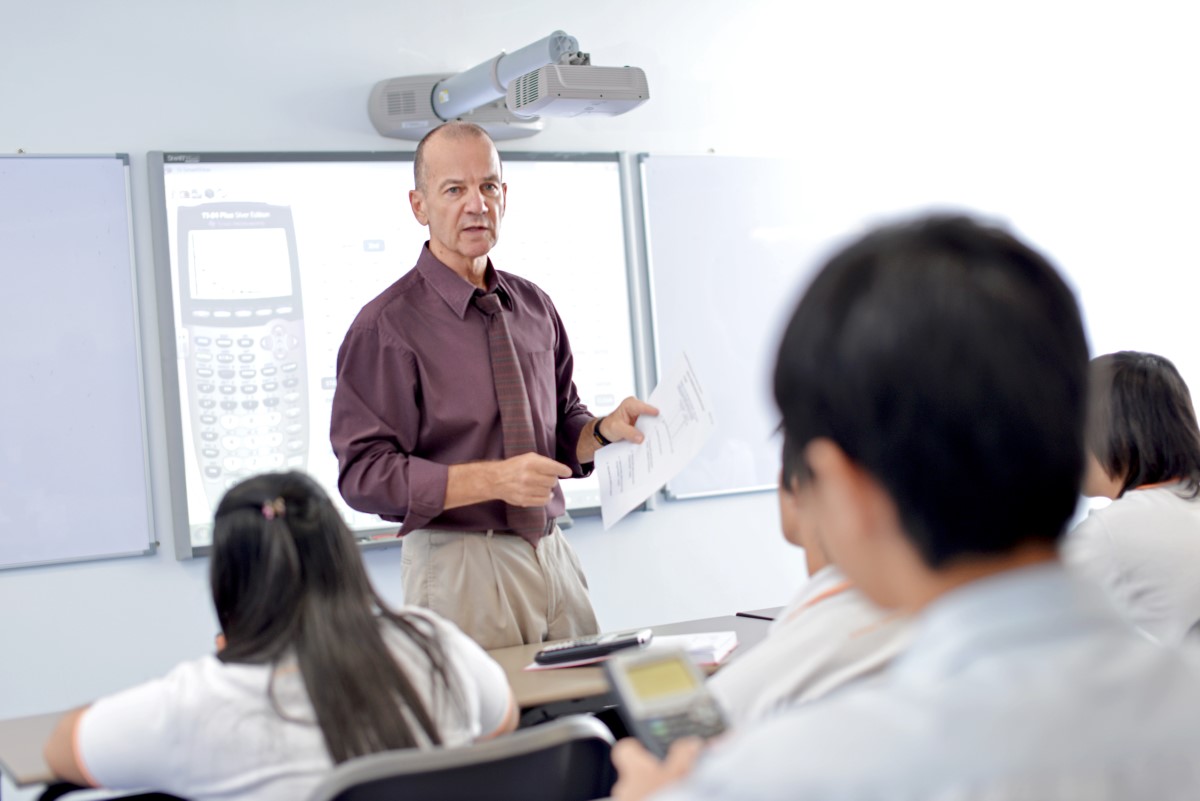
[836, 589]
[1157, 484]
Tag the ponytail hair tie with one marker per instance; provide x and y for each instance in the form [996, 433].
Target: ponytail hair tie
[273, 509]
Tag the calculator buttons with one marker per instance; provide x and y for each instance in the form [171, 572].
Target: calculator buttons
[247, 387]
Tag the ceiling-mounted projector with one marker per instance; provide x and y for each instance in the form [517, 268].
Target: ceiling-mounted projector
[565, 90]
[506, 95]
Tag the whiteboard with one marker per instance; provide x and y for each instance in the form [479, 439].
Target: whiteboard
[726, 260]
[74, 481]
[302, 241]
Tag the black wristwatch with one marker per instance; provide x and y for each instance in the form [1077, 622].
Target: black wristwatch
[603, 440]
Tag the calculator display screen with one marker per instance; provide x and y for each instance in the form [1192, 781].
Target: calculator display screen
[240, 263]
[659, 679]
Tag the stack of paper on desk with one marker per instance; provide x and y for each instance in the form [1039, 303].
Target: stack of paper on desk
[708, 648]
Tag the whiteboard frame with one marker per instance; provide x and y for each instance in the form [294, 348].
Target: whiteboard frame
[655, 325]
[152, 541]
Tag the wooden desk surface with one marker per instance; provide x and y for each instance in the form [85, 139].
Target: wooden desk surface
[537, 687]
[21, 741]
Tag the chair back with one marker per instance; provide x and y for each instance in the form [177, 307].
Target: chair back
[565, 760]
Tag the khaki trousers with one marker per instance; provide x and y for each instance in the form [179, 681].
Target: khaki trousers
[496, 587]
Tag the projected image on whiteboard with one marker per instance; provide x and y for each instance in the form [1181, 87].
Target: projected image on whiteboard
[272, 257]
[243, 369]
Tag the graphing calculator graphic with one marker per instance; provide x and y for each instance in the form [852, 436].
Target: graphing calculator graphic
[239, 295]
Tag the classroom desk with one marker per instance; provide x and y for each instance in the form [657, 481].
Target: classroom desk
[545, 694]
[770, 613]
[21, 741]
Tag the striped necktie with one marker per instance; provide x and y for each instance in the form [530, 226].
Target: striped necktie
[516, 419]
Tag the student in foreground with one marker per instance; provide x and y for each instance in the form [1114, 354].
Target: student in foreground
[933, 380]
[312, 669]
[829, 635]
[1144, 453]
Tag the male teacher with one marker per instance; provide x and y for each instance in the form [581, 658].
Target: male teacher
[456, 413]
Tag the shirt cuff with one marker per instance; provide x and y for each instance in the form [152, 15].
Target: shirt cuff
[426, 492]
[569, 431]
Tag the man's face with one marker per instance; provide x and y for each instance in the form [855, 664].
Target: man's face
[462, 200]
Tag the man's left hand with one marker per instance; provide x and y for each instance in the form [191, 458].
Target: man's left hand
[621, 423]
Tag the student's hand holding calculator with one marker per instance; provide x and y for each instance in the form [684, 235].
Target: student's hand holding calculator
[640, 774]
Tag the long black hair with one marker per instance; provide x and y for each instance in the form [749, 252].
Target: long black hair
[1141, 423]
[287, 578]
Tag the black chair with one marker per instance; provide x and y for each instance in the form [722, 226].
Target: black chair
[60, 789]
[566, 760]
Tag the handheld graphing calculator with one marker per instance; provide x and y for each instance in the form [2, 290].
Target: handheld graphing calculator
[662, 697]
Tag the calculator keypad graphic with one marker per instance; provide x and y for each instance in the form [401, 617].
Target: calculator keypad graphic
[250, 410]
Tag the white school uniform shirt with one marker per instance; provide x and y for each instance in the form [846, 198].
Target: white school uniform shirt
[1023, 686]
[1144, 550]
[207, 730]
[830, 634]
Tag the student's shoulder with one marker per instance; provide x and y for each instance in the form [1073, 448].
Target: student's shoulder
[193, 685]
[1136, 509]
[198, 681]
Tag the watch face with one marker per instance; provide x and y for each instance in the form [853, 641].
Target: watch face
[596, 432]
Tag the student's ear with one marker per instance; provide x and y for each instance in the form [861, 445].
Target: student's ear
[853, 504]
[416, 199]
[791, 517]
[860, 523]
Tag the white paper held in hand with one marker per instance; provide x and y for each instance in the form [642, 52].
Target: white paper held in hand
[629, 473]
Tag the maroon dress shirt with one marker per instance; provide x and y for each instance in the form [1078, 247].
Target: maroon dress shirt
[415, 395]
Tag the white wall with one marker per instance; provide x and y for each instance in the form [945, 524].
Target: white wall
[1075, 120]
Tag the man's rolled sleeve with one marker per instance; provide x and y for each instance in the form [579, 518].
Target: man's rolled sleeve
[373, 429]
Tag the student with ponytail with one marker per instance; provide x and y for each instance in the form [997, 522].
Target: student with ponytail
[312, 669]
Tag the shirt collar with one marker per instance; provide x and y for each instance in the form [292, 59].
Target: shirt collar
[823, 581]
[1025, 606]
[455, 290]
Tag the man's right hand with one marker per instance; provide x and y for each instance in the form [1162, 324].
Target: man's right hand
[525, 480]
[528, 479]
